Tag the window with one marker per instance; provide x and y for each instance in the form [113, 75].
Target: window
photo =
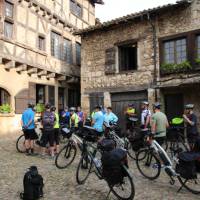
[67, 51]
[198, 46]
[78, 53]
[61, 48]
[8, 9]
[40, 94]
[175, 51]
[8, 29]
[41, 43]
[127, 57]
[55, 45]
[4, 97]
[75, 8]
[73, 97]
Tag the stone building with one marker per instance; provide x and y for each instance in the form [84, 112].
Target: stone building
[152, 55]
[39, 55]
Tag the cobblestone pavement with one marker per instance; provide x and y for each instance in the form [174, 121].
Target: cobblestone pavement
[61, 184]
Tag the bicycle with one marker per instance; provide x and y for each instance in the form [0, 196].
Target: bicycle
[20, 143]
[91, 159]
[68, 153]
[150, 165]
[120, 142]
[176, 140]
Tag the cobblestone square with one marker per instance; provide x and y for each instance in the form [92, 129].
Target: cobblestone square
[61, 184]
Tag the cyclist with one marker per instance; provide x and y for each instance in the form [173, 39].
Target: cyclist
[159, 123]
[28, 126]
[97, 121]
[48, 122]
[130, 112]
[81, 116]
[66, 116]
[145, 115]
[191, 123]
[110, 116]
[74, 119]
[56, 129]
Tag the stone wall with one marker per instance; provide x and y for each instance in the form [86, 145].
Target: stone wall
[94, 44]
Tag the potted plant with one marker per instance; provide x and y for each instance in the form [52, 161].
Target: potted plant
[40, 108]
[168, 68]
[5, 108]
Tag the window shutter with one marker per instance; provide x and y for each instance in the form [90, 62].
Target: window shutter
[110, 61]
[21, 101]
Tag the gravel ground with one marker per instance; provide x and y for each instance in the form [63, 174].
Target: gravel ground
[61, 184]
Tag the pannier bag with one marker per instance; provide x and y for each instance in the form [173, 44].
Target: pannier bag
[88, 133]
[137, 141]
[106, 144]
[187, 165]
[112, 164]
[33, 185]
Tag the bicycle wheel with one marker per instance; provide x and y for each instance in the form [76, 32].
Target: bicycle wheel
[148, 164]
[20, 144]
[192, 185]
[66, 156]
[83, 169]
[126, 189]
[131, 153]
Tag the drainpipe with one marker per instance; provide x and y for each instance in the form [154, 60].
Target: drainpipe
[154, 54]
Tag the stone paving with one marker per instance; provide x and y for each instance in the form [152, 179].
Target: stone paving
[61, 184]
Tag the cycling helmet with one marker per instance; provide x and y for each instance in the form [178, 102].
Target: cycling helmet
[157, 105]
[189, 106]
[53, 108]
[48, 106]
[30, 105]
[72, 109]
[145, 103]
[130, 105]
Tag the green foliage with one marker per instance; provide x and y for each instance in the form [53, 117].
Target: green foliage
[171, 68]
[5, 108]
[40, 108]
[197, 60]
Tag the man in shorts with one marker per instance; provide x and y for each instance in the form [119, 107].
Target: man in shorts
[28, 126]
[48, 121]
[191, 124]
[159, 124]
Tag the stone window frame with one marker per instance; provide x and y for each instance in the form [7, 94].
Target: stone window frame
[117, 62]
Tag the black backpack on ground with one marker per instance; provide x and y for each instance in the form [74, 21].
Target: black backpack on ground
[187, 165]
[112, 165]
[33, 185]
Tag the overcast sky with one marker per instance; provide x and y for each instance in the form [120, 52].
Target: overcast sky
[117, 8]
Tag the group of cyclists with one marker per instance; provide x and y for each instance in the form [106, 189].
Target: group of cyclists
[157, 122]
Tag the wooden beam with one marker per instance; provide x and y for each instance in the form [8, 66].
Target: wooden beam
[61, 78]
[21, 68]
[42, 73]
[9, 64]
[73, 80]
[51, 75]
[32, 71]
